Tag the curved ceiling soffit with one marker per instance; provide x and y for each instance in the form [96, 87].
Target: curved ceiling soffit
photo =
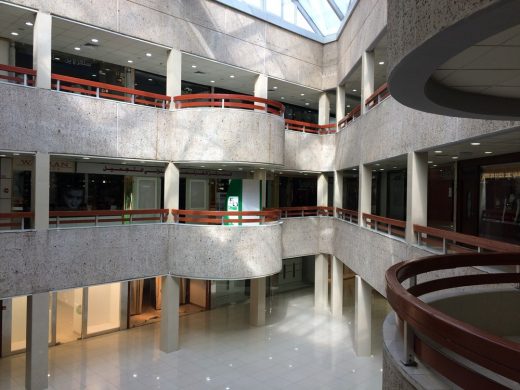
[411, 83]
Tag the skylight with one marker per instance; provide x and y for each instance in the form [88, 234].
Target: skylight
[320, 20]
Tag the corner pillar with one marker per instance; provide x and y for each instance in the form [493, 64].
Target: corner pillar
[416, 193]
[363, 317]
[173, 73]
[257, 302]
[323, 190]
[321, 282]
[365, 192]
[171, 188]
[324, 109]
[367, 77]
[337, 288]
[340, 103]
[37, 336]
[40, 195]
[169, 314]
[42, 49]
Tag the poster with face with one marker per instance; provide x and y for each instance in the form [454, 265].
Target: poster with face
[72, 198]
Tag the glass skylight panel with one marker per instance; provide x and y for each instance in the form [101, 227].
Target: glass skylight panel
[322, 15]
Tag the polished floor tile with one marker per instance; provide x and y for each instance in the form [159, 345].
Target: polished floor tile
[299, 348]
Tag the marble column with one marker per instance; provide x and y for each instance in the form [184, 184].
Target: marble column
[37, 339]
[169, 341]
[336, 295]
[365, 192]
[171, 188]
[42, 49]
[367, 77]
[257, 302]
[363, 317]
[416, 193]
[321, 282]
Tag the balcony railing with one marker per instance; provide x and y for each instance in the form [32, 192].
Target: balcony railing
[224, 100]
[109, 91]
[464, 354]
[17, 75]
[204, 217]
[350, 117]
[16, 221]
[392, 227]
[377, 97]
[351, 216]
[307, 127]
[305, 211]
[101, 217]
[447, 241]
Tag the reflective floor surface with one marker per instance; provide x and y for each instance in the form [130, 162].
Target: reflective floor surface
[297, 349]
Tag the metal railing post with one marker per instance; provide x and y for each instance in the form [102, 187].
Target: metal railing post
[57, 221]
[223, 105]
[132, 99]
[96, 220]
[375, 226]
[97, 92]
[408, 336]
[25, 79]
[444, 246]
[130, 218]
[58, 85]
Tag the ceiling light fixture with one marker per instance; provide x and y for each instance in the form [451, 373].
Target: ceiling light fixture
[28, 23]
[194, 66]
[381, 62]
[16, 154]
[77, 48]
[150, 79]
[212, 81]
[86, 158]
[94, 75]
[275, 87]
[282, 98]
[306, 104]
[438, 151]
[455, 157]
[302, 94]
[348, 105]
[232, 76]
[220, 169]
[130, 61]
[15, 33]
[94, 40]
[488, 152]
[354, 90]
[475, 143]
[148, 54]
[56, 58]
[430, 162]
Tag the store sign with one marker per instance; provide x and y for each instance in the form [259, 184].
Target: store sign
[116, 169]
[66, 166]
[23, 163]
[232, 203]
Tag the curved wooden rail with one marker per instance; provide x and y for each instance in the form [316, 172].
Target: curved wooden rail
[225, 100]
[305, 211]
[109, 91]
[351, 216]
[351, 116]
[377, 97]
[393, 227]
[205, 217]
[15, 220]
[97, 217]
[28, 76]
[450, 241]
[482, 348]
[307, 127]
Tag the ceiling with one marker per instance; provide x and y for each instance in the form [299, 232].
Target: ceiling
[13, 19]
[491, 67]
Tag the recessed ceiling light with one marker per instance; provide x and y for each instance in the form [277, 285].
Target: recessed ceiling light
[94, 40]
[381, 169]
[354, 169]
[86, 158]
[203, 166]
[194, 66]
[394, 167]
[434, 165]
[77, 48]
[94, 75]
[302, 94]
[275, 87]
[232, 76]
[148, 54]
[2, 155]
[282, 98]
[212, 81]
[306, 104]
[220, 169]
[56, 58]
[14, 33]
[262, 168]
[430, 162]
[454, 157]
[378, 165]
[130, 61]
[150, 79]
[475, 143]
[381, 62]
[438, 151]
[488, 152]
[354, 90]
[28, 23]
[348, 105]
[16, 154]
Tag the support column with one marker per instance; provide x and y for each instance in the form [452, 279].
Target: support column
[42, 49]
[367, 77]
[416, 193]
[323, 190]
[363, 317]
[257, 302]
[365, 192]
[36, 356]
[173, 73]
[340, 103]
[321, 282]
[169, 314]
[337, 288]
[4, 53]
[40, 195]
[276, 191]
[261, 175]
[338, 189]
[324, 109]
[171, 188]
[261, 89]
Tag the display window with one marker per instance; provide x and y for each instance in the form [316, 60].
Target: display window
[104, 303]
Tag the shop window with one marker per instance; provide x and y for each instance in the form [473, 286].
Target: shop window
[104, 304]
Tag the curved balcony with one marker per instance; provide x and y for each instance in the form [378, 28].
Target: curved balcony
[464, 354]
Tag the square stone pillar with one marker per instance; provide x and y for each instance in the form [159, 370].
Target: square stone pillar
[171, 188]
[323, 190]
[169, 314]
[340, 103]
[42, 49]
[324, 109]
[365, 192]
[261, 89]
[40, 194]
[257, 302]
[37, 336]
[416, 193]
[337, 288]
[321, 282]
[338, 189]
[362, 317]
[173, 73]
[367, 77]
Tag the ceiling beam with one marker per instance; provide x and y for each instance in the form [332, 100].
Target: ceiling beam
[307, 17]
[336, 9]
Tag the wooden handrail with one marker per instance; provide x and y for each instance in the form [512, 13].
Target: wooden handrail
[480, 243]
[347, 215]
[355, 113]
[102, 216]
[307, 127]
[17, 69]
[16, 219]
[378, 96]
[102, 90]
[25, 80]
[393, 227]
[225, 100]
[207, 217]
[482, 348]
[305, 211]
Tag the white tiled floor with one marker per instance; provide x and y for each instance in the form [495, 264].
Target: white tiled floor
[298, 349]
